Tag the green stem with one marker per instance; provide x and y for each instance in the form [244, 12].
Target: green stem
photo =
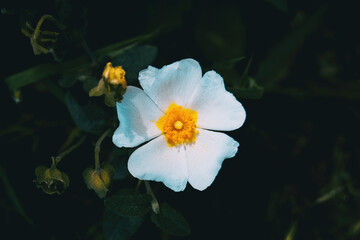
[138, 185]
[154, 202]
[70, 149]
[97, 149]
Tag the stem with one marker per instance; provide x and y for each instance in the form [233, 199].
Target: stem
[154, 202]
[70, 149]
[50, 18]
[97, 149]
[138, 185]
[13, 196]
[70, 139]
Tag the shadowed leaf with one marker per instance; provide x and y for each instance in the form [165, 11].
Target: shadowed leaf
[116, 227]
[171, 221]
[128, 203]
[135, 59]
[43, 71]
[249, 93]
[118, 159]
[89, 118]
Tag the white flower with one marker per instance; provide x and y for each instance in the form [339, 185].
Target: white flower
[176, 111]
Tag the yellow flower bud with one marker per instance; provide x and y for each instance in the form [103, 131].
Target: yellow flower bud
[112, 84]
[99, 179]
[114, 75]
[51, 180]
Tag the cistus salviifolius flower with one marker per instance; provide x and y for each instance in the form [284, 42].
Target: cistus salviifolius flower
[174, 115]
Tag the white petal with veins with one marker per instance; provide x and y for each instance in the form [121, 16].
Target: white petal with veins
[206, 155]
[137, 114]
[157, 161]
[217, 108]
[174, 83]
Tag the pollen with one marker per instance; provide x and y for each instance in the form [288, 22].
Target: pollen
[178, 125]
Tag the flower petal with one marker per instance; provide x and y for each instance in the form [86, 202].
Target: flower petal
[217, 108]
[205, 157]
[174, 83]
[158, 162]
[137, 115]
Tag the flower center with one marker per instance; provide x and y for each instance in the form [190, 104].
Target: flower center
[178, 125]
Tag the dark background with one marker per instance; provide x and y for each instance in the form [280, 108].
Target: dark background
[300, 141]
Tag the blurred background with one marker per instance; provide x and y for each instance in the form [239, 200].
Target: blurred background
[294, 65]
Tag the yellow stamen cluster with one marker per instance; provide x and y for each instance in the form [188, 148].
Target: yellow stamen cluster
[178, 125]
[114, 75]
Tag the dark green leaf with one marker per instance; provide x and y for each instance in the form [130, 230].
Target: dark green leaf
[115, 49]
[135, 59]
[216, 41]
[249, 93]
[89, 118]
[128, 203]
[171, 221]
[89, 83]
[226, 64]
[68, 80]
[279, 4]
[116, 227]
[118, 159]
[43, 71]
[277, 64]
[53, 88]
[31, 75]
[244, 79]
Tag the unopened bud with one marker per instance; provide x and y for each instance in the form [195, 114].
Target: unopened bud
[99, 179]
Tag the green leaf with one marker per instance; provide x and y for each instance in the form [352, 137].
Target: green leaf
[89, 83]
[116, 227]
[244, 79]
[135, 59]
[118, 159]
[68, 80]
[128, 203]
[277, 64]
[47, 70]
[249, 93]
[171, 221]
[279, 4]
[115, 49]
[217, 42]
[89, 118]
[31, 75]
[227, 64]
[53, 88]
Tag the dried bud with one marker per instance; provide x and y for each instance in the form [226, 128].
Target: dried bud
[112, 84]
[51, 180]
[99, 179]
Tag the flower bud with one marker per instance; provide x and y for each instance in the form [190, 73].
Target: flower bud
[99, 179]
[51, 180]
[114, 75]
[112, 84]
